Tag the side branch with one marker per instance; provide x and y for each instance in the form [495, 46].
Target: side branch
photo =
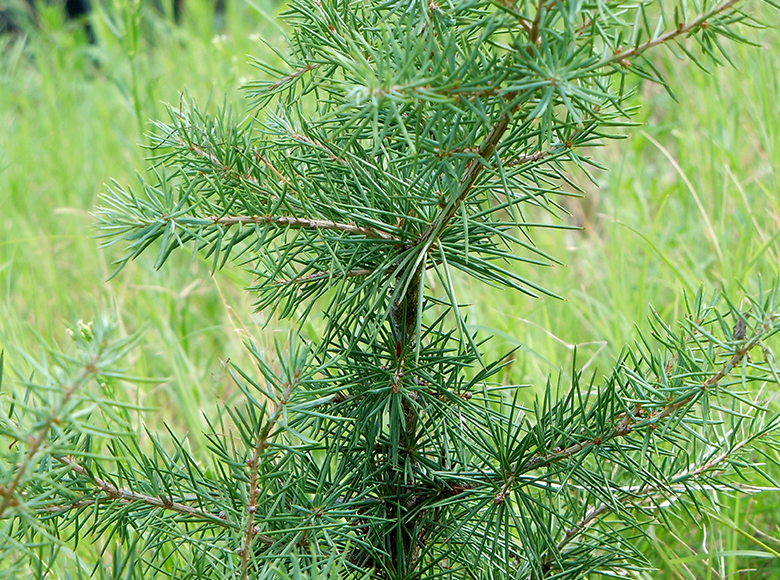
[125, 495]
[650, 492]
[473, 171]
[622, 57]
[628, 423]
[292, 76]
[7, 493]
[475, 167]
[306, 279]
[224, 169]
[261, 443]
[309, 223]
[533, 34]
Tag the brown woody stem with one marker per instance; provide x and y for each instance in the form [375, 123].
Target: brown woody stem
[7, 492]
[683, 28]
[295, 222]
[125, 495]
[261, 443]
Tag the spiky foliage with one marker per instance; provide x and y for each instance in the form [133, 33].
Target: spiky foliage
[398, 143]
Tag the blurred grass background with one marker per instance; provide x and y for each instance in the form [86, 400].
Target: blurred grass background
[692, 197]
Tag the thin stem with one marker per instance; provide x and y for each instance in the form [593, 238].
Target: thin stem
[316, 276]
[310, 223]
[292, 76]
[306, 140]
[86, 371]
[533, 34]
[225, 169]
[530, 158]
[323, 276]
[128, 496]
[683, 28]
[261, 443]
[473, 171]
[627, 423]
[603, 508]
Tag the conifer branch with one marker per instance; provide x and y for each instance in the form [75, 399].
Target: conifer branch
[127, 496]
[427, 239]
[7, 492]
[311, 143]
[309, 223]
[221, 167]
[251, 531]
[294, 75]
[646, 494]
[621, 57]
[627, 423]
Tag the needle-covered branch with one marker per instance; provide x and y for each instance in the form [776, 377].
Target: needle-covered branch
[297, 222]
[505, 122]
[98, 354]
[490, 126]
[112, 492]
[261, 444]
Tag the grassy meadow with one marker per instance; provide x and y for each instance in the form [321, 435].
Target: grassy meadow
[692, 198]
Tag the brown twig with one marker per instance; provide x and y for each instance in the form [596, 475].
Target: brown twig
[226, 170]
[310, 223]
[683, 28]
[58, 509]
[505, 489]
[533, 34]
[292, 76]
[531, 158]
[324, 275]
[127, 496]
[261, 443]
[472, 172]
[311, 143]
[7, 492]
[281, 220]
